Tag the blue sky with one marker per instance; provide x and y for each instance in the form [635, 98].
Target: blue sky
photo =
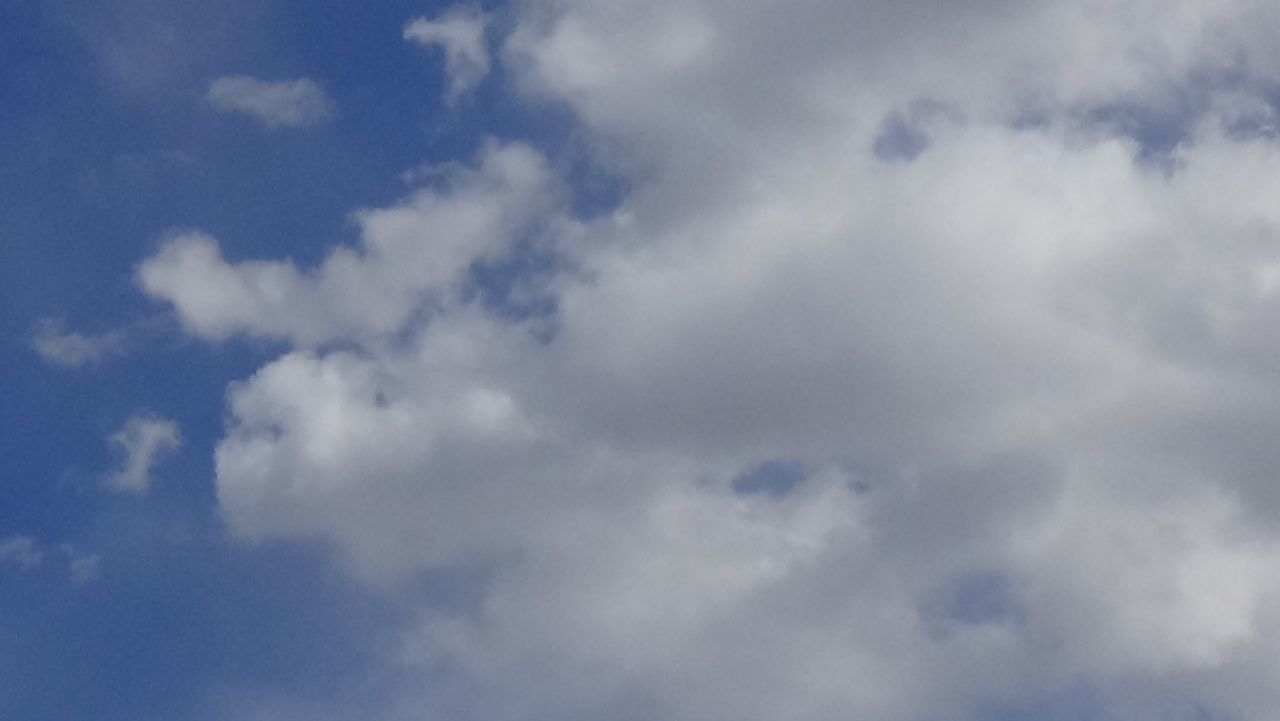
[658, 360]
[99, 165]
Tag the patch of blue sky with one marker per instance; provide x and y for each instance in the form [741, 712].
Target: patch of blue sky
[973, 599]
[181, 617]
[515, 285]
[1158, 129]
[899, 140]
[773, 478]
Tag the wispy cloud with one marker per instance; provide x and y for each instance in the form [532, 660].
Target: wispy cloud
[21, 551]
[143, 440]
[29, 554]
[461, 34]
[70, 349]
[283, 104]
[81, 566]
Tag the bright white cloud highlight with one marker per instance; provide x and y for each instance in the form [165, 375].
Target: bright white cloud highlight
[281, 104]
[1024, 364]
[461, 35]
[143, 441]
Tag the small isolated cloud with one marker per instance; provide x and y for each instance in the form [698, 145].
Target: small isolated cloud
[461, 34]
[21, 551]
[144, 439]
[82, 567]
[73, 350]
[29, 554]
[284, 104]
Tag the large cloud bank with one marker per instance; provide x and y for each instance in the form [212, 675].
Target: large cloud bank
[927, 369]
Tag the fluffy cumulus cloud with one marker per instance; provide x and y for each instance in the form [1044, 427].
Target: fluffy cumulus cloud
[410, 257]
[142, 441]
[279, 104]
[927, 368]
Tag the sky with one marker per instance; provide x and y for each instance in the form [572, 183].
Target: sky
[559, 360]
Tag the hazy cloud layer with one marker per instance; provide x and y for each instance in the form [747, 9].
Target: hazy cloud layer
[282, 104]
[1015, 359]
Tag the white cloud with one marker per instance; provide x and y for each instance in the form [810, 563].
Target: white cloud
[143, 440]
[1024, 359]
[71, 349]
[412, 255]
[282, 104]
[461, 34]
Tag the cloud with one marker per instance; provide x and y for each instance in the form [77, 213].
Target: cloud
[461, 34]
[1015, 380]
[71, 349]
[151, 48]
[282, 104]
[82, 567]
[412, 255]
[21, 551]
[143, 440]
[29, 554]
